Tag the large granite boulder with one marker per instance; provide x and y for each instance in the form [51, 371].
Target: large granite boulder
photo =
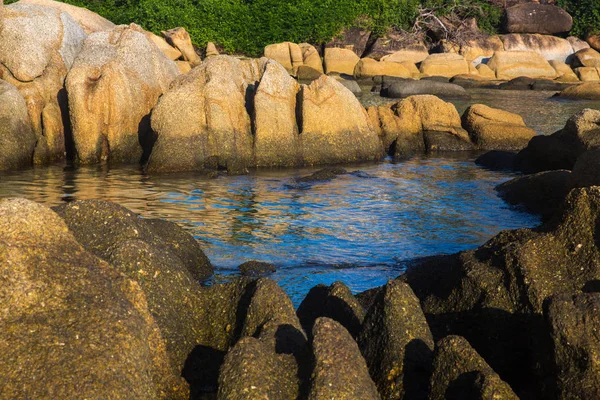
[549, 47]
[88, 20]
[397, 343]
[460, 373]
[586, 58]
[564, 71]
[586, 171]
[287, 54]
[444, 64]
[113, 85]
[585, 91]
[573, 320]
[335, 126]
[37, 48]
[368, 68]
[482, 48]
[513, 64]
[340, 61]
[494, 129]
[419, 123]
[422, 87]
[311, 57]
[202, 122]
[587, 74]
[17, 139]
[561, 149]
[537, 18]
[71, 325]
[494, 296]
[166, 262]
[340, 371]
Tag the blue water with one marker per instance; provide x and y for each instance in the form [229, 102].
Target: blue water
[361, 228]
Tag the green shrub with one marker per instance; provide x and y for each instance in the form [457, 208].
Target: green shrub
[586, 15]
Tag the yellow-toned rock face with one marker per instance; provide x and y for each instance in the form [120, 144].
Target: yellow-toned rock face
[549, 47]
[444, 64]
[587, 74]
[311, 57]
[180, 39]
[287, 54]
[37, 48]
[341, 61]
[494, 129]
[486, 72]
[88, 20]
[114, 83]
[513, 64]
[368, 68]
[171, 52]
[17, 140]
[564, 72]
[415, 55]
[589, 91]
[586, 58]
[477, 49]
[335, 126]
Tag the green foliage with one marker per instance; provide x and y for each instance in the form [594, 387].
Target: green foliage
[586, 15]
[487, 14]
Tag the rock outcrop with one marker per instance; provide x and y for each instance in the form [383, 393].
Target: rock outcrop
[513, 64]
[423, 87]
[180, 39]
[17, 140]
[287, 54]
[368, 68]
[113, 85]
[72, 326]
[37, 48]
[586, 58]
[88, 20]
[549, 47]
[493, 129]
[444, 64]
[533, 17]
[585, 91]
[340, 61]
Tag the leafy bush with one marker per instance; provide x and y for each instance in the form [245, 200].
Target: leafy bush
[586, 15]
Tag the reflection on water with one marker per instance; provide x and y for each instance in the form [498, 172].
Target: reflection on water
[539, 110]
[357, 228]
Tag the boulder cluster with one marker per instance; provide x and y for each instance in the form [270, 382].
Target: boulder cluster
[100, 303]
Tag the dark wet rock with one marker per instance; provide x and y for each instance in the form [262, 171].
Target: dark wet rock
[586, 171]
[71, 325]
[497, 160]
[367, 298]
[533, 17]
[352, 86]
[322, 175]
[469, 82]
[251, 370]
[561, 149]
[335, 302]
[353, 38]
[525, 83]
[397, 344]
[574, 322]
[256, 268]
[162, 258]
[459, 373]
[306, 73]
[494, 295]
[388, 80]
[340, 371]
[541, 193]
[411, 87]
[436, 78]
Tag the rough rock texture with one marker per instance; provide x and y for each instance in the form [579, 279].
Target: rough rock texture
[541, 193]
[549, 47]
[587, 91]
[340, 371]
[397, 344]
[276, 136]
[88, 20]
[71, 325]
[537, 18]
[308, 74]
[586, 171]
[460, 373]
[353, 38]
[336, 302]
[513, 64]
[17, 140]
[202, 121]
[587, 74]
[444, 64]
[180, 39]
[494, 129]
[341, 61]
[335, 126]
[163, 259]
[211, 50]
[561, 149]
[419, 123]
[586, 58]
[593, 41]
[479, 49]
[311, 57]
[368, 68]
[287, 54]
[577, 44]
[169, 51]
[37, 48]
[488, 294]
[256, 268]
[574, 323]
[564, 72]
[113, 85]
[422, 87]
[486, 72]
[413, 54]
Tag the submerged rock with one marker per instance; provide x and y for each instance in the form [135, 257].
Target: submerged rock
[115, 82]
[460, 373]
[71, 325]
[17, 139]
[397, 344]
[256, 268]
[584, 91]
[497, 160]
[322, 175]
[340, 371]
